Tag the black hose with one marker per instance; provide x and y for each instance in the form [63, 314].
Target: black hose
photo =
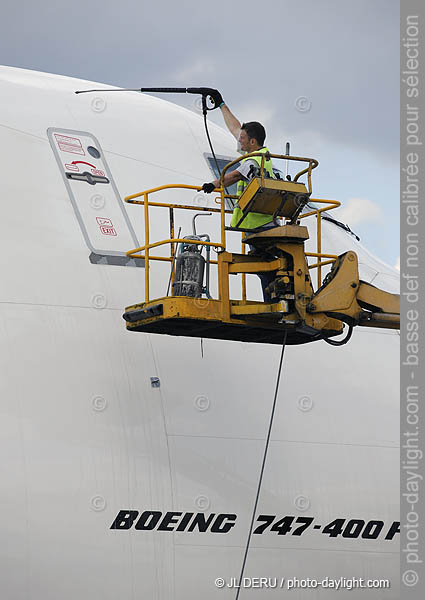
[260, 481]
[214, 156]
[340, 342]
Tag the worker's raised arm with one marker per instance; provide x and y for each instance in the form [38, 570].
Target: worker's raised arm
[232, 123]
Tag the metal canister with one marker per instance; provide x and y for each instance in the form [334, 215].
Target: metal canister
[189, 277]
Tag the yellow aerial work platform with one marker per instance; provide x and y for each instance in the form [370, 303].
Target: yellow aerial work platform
[296, 309]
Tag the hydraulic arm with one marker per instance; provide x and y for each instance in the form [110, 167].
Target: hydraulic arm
[342, 295]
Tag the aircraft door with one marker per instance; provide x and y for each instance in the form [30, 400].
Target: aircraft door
[99, 209]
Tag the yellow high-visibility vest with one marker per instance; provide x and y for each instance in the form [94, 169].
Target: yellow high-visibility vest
[252, 220]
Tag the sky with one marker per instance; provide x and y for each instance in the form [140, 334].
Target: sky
[322, 74]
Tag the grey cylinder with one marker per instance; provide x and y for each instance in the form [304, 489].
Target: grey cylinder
[189, 277]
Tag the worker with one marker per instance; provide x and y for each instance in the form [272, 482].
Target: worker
[251, 138]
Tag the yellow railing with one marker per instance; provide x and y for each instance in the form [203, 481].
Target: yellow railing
[330, 204]
[312, 164]
[172, 240]
[143, 252]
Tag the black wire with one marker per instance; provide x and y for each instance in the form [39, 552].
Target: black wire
[262, 466]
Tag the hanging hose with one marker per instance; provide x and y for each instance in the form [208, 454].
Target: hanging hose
[260, 481]
[214, 157]
[340, 342]
[210, 143]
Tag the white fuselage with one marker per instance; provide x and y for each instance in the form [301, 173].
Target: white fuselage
[85, 432]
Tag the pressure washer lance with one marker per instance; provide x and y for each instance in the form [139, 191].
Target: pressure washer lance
[173, 264]
[204, 91]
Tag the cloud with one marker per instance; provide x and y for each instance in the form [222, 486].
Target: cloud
[359, 210]
[258, 110]
[199, 68]
[347, 75]
[397, 265]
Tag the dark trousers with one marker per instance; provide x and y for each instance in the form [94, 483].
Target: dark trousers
[267, 277]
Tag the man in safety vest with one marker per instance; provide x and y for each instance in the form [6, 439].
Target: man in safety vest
[251, 138]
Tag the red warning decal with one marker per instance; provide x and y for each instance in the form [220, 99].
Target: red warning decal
[69, 144]
[71, 167]
[106, 226]
[74, 167]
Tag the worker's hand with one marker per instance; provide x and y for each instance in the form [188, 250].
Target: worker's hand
[208, 188]
[217, 98]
